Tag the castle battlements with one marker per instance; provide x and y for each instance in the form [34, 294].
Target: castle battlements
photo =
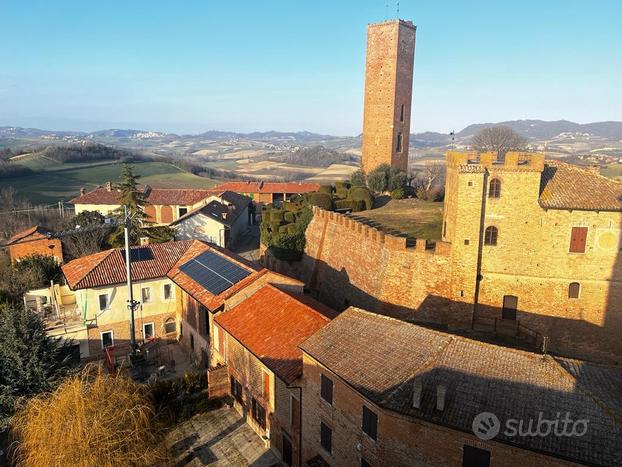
[370, 230]
[472, 161]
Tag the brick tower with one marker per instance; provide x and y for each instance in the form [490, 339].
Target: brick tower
[388, 93]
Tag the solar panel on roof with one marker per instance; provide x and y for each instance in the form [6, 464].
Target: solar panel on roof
[214, 272]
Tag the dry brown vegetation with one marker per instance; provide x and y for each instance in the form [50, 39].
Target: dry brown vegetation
[91, 419]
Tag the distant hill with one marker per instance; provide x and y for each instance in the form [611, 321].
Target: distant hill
[541, 129]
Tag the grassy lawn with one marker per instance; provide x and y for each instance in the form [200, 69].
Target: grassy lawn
[63, 181]
[416, 218]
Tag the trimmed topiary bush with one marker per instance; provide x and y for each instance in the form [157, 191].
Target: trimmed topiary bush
[289, 217]
[326, 189]
[321, 200]
[362, 194]
[276, 215]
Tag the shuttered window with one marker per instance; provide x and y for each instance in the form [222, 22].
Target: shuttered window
[578, 237]
[266, 386]
[370, 423]
[326, 437]
[326, 390]
[494, 191]
[259, 413]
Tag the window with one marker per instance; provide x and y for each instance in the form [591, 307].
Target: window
[168, 291]
[398, 147]
[365, 462]
[326, 389]
[494, 190]
[107, 338]
[259, 413]
[104, 302]
[577, 239]
[475, 457]
[146, 294]
[326, 437]
[182, 211]
[148, 331]
[490, 236]
[402, 113]
[370, 423]
[236, 390]
[573, 290]
[294, 411]
[192, 341]
[510, 304]
[170, 326]
[266, 385]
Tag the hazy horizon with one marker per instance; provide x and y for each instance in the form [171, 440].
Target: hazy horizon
[199, 66]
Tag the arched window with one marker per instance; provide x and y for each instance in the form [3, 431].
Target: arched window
[573, 290]
[490, 236]
[494, 190]
[170, 326]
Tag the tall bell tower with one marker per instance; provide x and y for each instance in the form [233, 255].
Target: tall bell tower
[388, 93]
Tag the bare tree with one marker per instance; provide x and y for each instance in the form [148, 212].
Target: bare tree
[499, 139]
[429, 179]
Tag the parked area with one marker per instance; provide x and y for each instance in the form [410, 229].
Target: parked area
[218, 438]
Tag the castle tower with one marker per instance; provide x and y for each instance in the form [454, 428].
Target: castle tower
[388, 94]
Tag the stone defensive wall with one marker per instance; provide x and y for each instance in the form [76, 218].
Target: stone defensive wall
[350, 261]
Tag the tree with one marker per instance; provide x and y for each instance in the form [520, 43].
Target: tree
[31, 361]
[40, 269]
[91, 235]
[135, 200]
[386, 178]
[91, 419]
[498, 139]
[428, 181]
[358, 178]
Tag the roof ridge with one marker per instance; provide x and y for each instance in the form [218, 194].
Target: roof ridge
[95, 266]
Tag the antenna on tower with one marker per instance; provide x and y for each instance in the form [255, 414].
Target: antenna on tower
[386, 10]
[398, 9]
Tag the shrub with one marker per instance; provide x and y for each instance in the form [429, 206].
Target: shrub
[342, 185]
[276, 215]
[321, 200]
[291, 229]
[289, 217]
[399, 193]
[344, 204]
[358, 178]
[326, 189]
[362, 194]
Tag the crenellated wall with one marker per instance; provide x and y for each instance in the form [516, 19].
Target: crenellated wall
[350, 263]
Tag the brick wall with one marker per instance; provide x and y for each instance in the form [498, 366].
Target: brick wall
[388, 87]
[400, 440]
[30, 246]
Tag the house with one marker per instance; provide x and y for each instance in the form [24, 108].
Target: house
[222, 220]
[269, 192]
[258, 342]
[35, 241]
[163, 205]
[92, 307]
[381, 391]
[211, 280]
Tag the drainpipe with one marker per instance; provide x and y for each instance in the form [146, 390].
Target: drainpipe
[480, 247]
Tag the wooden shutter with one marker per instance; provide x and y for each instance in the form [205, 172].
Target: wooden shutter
[578, 238]
[266, 386]
[326, 389]
[326, 437]
[370, 423]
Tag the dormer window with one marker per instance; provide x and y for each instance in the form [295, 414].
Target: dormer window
[494, 190]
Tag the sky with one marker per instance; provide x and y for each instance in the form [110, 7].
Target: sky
[190, 66]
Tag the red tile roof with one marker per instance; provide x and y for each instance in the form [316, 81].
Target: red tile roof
[196, 290]
[566, 186]
[108, 267]
[271, 324]
[269, 187]
[157, 196]
[28, 232]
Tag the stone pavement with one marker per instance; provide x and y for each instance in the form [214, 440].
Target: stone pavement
[218, 438]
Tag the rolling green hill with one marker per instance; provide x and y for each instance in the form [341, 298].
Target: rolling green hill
[54, 181]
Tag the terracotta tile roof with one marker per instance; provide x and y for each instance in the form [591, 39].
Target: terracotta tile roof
[157, 196]
[108, 267]
[382, 358]
[269, 187]
[566, 186]
[271, 324]
[28, 232]
[196, 290]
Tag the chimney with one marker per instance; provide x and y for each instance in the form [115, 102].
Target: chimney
[417, 391]
[82, 191]
[109, 186]
[143, 241]
[441, 390]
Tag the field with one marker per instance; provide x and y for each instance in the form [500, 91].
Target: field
[414, 217]
[612, 171]
[54, 182]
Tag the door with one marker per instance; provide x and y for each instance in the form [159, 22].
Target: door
[510, 304]
[287, 450]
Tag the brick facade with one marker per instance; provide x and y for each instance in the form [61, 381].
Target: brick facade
[349, 263]
[36, 244]
[388, 94]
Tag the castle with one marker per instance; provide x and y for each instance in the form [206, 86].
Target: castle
[530, 249]
[388, 94]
